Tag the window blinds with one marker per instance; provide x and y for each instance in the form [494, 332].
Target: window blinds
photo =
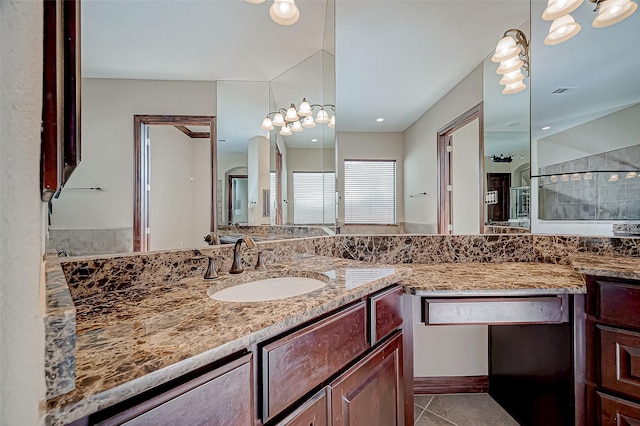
[370, 192]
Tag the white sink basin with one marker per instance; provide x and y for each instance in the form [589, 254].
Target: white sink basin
[268, 289]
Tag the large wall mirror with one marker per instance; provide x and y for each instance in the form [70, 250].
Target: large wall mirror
[585, 126]
[188, 58]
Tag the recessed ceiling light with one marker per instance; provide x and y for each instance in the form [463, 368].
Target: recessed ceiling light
[380, 120]
[546, 127]
[314, 140]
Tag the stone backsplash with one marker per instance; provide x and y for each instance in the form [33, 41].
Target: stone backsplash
[73, 282]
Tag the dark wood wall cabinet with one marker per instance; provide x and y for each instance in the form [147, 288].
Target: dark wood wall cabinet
[345, 368]
[613, 351]
[60, 146]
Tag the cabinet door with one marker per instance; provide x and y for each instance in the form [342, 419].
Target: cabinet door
[311, 413]
[222, 397]
[617, 412]
[371, 392]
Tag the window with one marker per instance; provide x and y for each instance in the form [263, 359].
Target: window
[370, 191]
[314, 198]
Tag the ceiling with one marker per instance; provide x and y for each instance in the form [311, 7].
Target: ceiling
[388, 63]
[393, 59]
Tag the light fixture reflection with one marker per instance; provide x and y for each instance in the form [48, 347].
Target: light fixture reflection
[562, 29]
[267, 124]
[631, 175]
[293, 120]
[613, 11]
[510, 89]
[613, 178]
[557, 8]
[285, 131]
[322, 117]
[284, 12]
[510, 65]
[278, 120]
[512, 77]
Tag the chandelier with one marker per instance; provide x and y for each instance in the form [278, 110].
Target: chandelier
[512, 52]
[283, 12]
[565, 27]
[293, 120]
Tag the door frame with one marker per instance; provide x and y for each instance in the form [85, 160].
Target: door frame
[229, 197]
[142, 164]
[444, 160]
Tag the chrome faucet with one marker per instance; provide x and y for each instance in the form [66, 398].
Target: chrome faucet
[236, 268]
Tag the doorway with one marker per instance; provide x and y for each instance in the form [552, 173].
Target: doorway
[460, 174]
[498, 209]
[238, 199]
[195, 127]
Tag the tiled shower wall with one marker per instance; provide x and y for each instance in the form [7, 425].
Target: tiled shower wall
[86, 242]
[610, 192]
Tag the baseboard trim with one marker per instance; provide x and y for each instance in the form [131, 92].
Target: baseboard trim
[450, 384]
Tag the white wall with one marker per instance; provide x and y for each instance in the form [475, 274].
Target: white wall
[108, 106]
[22, 215]
[371, 146]
[434, 345]
[179, 201]
[465, 179]
[420, 148]
[614, 131]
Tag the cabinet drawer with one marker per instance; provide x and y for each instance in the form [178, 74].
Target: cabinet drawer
[489, 310]
[617, 412]
[294, 365]
[386, 313]
[619, 303]
[620, 360]
[220, 397]
[314, 412]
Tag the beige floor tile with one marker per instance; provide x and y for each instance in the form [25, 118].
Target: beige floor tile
[429, 419]
[422, 400]
[470, 410]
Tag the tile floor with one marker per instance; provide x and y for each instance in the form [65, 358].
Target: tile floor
[460, 410]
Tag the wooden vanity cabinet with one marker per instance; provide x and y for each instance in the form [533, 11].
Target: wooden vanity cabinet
[613, 351]
[222, 396]
[345, 368]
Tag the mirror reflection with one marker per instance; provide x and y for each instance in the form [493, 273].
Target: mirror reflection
[585, 111]
[507, 162]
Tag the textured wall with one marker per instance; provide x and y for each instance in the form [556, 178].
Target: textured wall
[21, 215]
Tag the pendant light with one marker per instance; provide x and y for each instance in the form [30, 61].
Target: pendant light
[510, 65]
[332, 122]
[305, 109]
[308, 123]
[512, 77]
[505, 50]
[296, 126]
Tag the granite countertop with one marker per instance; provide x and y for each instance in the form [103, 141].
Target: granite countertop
[133, 340]
[607, 266]
[513, 278]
